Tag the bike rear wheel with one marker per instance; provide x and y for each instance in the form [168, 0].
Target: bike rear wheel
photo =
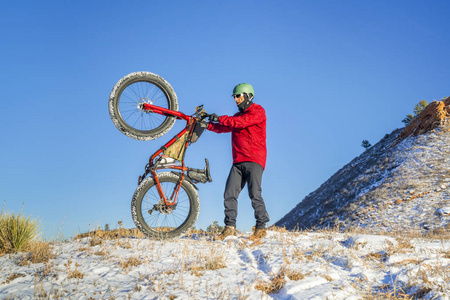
[156, 220]
[127, 115]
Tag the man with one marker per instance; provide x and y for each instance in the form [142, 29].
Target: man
[248, 139]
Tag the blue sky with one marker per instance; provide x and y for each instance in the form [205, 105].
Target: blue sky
[329, 74]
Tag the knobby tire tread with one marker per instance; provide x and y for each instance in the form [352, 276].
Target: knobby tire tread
[149, 183]
[128, 130]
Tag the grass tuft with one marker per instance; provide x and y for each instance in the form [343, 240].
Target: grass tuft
[275, 284]
[131, 262]
[37, 252]
[16, 231]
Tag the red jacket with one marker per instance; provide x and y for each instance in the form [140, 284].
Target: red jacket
[248, 134]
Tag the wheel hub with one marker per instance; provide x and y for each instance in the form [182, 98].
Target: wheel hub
[142, 101]
[165, 210]
[162, 208]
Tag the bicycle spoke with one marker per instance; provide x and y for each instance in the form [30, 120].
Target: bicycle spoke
[174, 217]
[149, 91]
[133, 112]
[131, 95]
[138, 93]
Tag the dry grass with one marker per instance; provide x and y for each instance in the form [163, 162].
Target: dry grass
[274, 285]
[47, 270]
[37, 252]
[279, 229]
[399, 234]
[295, 275]
[123, 244]
[102, 237]
[100, 252]
[211, 259]
[76, 274]
[111, 234]
[388, 293]
[427, 273]
[73, 273]
[278, 280]
[410, 261]
[438, 233]
[12, 277]
[377, 256]
[95, 241]
[130, 262]
[447, 254]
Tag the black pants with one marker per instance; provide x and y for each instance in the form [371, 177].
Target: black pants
[240, 174]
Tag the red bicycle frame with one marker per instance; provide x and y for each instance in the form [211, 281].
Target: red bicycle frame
[153, 166]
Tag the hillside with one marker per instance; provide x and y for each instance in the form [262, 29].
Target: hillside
[284, 265]
[401, 183]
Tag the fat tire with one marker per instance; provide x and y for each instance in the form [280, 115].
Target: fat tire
[128, 129]
[137, 203]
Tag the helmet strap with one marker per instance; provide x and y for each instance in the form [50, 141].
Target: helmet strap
[246, 103]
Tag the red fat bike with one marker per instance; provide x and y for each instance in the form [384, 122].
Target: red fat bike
[144, 106]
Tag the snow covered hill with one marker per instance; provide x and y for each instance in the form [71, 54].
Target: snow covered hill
[401, 183]
[284, 265]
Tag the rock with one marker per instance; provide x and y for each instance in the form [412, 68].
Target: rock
[444, 211]
[431, 117]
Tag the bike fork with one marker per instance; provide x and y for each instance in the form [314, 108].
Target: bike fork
[162, 195]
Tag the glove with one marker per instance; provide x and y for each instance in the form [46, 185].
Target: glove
[213, 118]
[203, 124]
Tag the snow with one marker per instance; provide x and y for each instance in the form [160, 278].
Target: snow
[444, 211]
[393, 186]
[312, 265]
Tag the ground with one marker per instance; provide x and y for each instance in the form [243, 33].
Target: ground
[284, 265]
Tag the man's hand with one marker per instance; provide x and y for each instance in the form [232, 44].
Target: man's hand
[213, 118]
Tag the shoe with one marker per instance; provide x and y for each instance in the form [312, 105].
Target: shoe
[259, 233]
[227, 231]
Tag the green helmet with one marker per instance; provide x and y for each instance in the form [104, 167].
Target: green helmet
[243, 88]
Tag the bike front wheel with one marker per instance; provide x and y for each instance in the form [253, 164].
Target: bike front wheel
[126, 111]
[157, 220]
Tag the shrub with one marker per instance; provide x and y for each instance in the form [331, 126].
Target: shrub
[408, 119]
[16, 231]
[417, 110]
[420, 106]
[366, 144]
[214, 228]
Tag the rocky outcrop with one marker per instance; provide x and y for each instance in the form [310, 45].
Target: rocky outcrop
[435, 115]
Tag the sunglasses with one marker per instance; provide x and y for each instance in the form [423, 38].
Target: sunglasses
[237, 95]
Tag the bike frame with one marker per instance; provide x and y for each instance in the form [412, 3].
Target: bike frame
[152, 165]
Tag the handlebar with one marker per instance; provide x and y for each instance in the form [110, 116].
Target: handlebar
[200, 113]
